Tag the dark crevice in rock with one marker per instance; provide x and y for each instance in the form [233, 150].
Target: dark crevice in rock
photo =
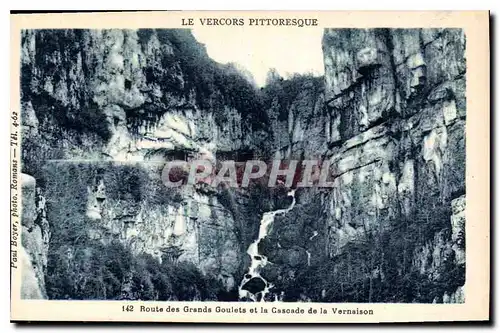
[356, 168]
[390, 47]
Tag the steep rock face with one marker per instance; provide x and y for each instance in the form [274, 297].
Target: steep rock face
[295, 109]
[113, 203]
[207, 227]
[395, 121]
[91, 96]
[35, 240]
[400, 96]
[131, 95]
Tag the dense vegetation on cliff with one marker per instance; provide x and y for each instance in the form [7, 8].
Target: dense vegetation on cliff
[90, 270]
[280, 94]
[81, 266]
[380, 268]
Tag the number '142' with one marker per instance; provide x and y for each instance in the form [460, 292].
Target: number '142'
[128, 308]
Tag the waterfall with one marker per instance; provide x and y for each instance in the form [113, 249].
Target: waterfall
[258, 261]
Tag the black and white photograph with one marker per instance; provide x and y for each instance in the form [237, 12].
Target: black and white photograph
[185, 164]
[102, 109]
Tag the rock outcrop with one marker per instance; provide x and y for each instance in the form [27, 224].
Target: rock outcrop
[132, 95]
[93, 97]
[394, 129]
[35, 240]
[295, 109]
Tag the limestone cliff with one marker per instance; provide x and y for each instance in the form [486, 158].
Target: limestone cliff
[91, 98]
[35, 240]
[295, 109]
[132, 95]
[394, 128]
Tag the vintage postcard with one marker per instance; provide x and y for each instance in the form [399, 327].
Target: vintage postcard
[260, 167]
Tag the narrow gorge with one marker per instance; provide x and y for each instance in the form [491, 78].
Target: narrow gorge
[103, 110]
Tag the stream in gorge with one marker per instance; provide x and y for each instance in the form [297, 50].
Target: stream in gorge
[253, 286]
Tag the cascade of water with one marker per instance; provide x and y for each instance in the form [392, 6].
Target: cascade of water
[258, 261]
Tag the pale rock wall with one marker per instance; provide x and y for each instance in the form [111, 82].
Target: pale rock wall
[196, 228]
[301, 132]
[394, 123]
[35, 240]
[400, 98]
[126, 95]
[129, 88]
